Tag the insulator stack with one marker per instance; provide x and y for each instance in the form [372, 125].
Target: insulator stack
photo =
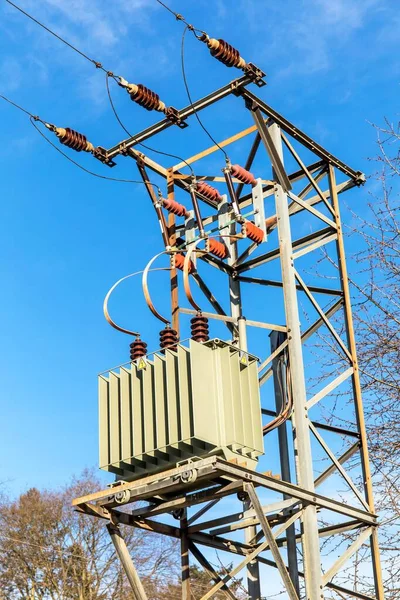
[253, 232]
[73, 139]
[224, 52]
[180, 263]
[243, 175]
[199, 328]
[145, 97]
[217, 248]
[168, 339]
[138, 349]
[175, 208]
[208, 191]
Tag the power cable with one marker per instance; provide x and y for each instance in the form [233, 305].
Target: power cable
[35, 118]
[189, 94]
[97, 64]
[180, 17]
[130, 135]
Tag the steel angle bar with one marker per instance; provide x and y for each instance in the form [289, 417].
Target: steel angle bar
[320, 175]
[205, 495]
[272, 283]
[249, 162]
[201, 559]
[328, 531]
[272, 356]
[270, 538]
[212, 300]
[325, 426]
[323, 242]
[307, 334]
[312, 210]
[364, 535]
[183, 114]
[338, 466]
[376, 563]
[332, 586]
[324, 317]
[238, 548]
[308, 174]
[273, 254]
[250, 557]
[302, 137]
[297, 492]
[202, 511]
[245, 254]
[329, 388]
[240, 516]
[341, 459]
[253, 521]
[127, 563]
[272, 152]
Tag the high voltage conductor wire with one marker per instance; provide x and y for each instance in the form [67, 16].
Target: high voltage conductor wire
[34, 119]
[187, 28]
[97, 64]
[108, 73]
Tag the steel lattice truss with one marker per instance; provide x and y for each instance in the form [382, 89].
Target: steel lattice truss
[292, 521]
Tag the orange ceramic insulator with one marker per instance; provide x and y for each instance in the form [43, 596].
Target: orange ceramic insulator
[208, 191]
[253, 232]
[180, 261]
[73, 139]
[199, 328]
[217, 248]
[243, 175]
[175, 208]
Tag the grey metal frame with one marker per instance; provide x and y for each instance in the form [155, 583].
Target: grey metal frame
[215, 478]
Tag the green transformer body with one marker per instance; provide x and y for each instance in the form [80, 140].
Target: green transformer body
[190, 403]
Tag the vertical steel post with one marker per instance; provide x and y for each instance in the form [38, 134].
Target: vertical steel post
[185, 566]
[359, 409]
[280, 389]
[172, 242]
[127, 563]
[302, 442]
[253, 569]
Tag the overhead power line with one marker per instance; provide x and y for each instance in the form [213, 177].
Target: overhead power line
[35, 118]
[97, 64]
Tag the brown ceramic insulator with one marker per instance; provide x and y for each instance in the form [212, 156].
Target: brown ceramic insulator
[146, 98]
[138, 349]
[175, 208]
[243, 175]
[226, 53]
[217, 248]
[180, 262]
[72, 139]
[254, 233]
[168, 339]
[208, 191]
[199, 328]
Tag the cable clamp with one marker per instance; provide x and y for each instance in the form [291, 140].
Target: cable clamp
[98, 65]
[179, 17]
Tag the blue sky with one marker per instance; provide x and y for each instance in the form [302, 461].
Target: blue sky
[332, 67]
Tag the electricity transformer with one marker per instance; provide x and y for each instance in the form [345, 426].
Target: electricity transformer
[182, 428]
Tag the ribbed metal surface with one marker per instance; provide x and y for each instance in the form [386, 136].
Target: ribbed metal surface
[194, 402]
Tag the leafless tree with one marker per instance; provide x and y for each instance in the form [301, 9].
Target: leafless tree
[49, 552]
